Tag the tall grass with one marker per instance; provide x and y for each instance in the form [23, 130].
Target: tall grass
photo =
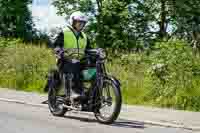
[167, 77]
[130, 70]
[25, 66]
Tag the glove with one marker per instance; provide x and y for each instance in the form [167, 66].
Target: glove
[59, 53]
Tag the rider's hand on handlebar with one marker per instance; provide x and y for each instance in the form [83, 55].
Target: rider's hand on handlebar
[59, 52]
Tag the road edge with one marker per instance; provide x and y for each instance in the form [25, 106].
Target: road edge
[148, 122]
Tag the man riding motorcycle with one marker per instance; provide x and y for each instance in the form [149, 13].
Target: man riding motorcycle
[74, 40]
[83, 66]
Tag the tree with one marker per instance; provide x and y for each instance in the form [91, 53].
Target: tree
[126, 23]
[108, 19]
[15, 19]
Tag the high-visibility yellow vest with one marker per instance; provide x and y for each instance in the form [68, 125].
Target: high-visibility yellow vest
[73, 44]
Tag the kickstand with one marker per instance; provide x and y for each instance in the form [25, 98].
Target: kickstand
[45, 102]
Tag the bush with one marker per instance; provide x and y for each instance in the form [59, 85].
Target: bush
[24, 66]
[9, 42]
[175, 76]
[130, 69]
[167, 77]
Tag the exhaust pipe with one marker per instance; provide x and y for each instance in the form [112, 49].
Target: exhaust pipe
[72, 108]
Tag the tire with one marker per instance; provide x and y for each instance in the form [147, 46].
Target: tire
[117, 108]
[54, 103]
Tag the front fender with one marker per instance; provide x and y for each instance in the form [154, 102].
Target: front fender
[113, 80]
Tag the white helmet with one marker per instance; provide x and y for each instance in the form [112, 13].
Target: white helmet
[79, 16]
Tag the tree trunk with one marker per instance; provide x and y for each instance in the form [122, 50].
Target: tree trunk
[162, 32]
[99, 25]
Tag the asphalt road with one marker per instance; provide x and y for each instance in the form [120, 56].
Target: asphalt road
[19, 118]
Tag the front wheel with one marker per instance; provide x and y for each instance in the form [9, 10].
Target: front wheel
[110, 101]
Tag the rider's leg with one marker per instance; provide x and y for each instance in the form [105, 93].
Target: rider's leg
[52, 74]
[77, 83]
[73, 66]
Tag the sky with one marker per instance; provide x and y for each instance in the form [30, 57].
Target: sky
[44, 15]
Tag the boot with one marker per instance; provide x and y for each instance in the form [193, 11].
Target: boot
[77, 94]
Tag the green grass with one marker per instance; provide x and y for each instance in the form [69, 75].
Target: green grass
[25, 66]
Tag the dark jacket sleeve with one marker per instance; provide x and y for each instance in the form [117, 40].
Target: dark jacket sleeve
[59, 41]
[88, 44]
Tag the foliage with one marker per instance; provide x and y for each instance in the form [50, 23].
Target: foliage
[15, 19]
[174, 75]
[24, 67]
[136, 23]
[168, 76]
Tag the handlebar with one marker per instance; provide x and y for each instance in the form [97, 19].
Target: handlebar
[97, 53]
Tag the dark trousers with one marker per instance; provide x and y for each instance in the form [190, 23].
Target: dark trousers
[67, 66]
[71, 66]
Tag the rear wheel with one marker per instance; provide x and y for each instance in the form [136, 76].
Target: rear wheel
[110, 101]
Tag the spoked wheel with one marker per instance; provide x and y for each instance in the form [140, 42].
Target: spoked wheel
[55, 102]
[110, 103]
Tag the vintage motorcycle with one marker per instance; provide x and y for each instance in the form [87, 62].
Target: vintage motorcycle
[101, 91]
